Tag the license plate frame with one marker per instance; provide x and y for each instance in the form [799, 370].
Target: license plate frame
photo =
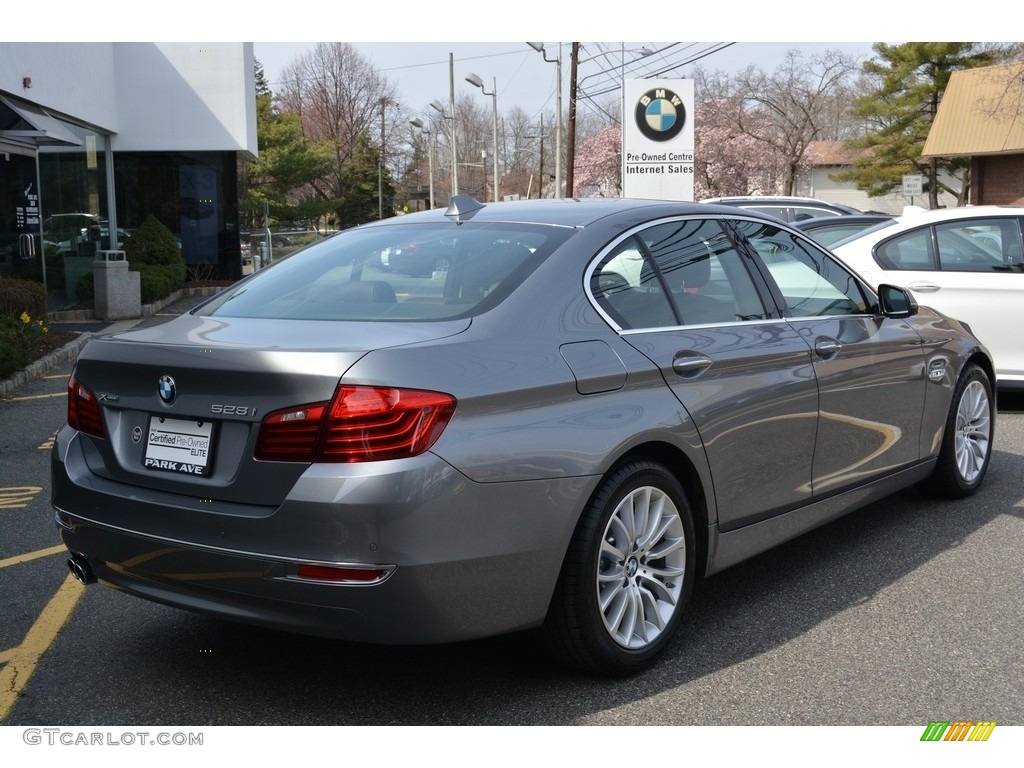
[179, 446]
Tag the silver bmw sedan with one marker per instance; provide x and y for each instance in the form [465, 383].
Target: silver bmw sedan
[578, 411]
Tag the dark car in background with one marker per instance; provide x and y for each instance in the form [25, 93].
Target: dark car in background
[597, 403]
[423, 258]
[831, 229]
[786, 208]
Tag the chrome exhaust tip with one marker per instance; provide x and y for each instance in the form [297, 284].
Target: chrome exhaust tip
[81, 570]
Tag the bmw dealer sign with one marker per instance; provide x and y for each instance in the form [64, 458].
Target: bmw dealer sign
[657, 140]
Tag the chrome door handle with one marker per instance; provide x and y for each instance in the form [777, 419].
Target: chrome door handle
[687, 365]
[827, 349]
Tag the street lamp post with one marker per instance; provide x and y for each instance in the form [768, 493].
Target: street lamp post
[380, 163]
[539, 47]
[430, 154]
[475, 80]
[451, 140]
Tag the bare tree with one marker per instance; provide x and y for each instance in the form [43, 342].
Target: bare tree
[341, 97]
[789, 109]
[785, 111]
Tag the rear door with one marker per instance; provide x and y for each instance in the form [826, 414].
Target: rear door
[687, 299]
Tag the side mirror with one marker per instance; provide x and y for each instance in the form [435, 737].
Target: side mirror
[894, 301]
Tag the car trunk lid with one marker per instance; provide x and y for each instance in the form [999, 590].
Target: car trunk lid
[182, 402]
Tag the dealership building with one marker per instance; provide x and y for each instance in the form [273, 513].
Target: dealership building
[94, 137]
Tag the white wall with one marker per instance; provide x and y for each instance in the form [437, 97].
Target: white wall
[71, 78]
[819, 185]
[152, 96]
[195, 96]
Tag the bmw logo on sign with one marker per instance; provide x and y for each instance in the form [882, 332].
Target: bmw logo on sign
[167, 388]
[660, 114]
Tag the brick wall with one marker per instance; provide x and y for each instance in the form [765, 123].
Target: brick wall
[997, 180]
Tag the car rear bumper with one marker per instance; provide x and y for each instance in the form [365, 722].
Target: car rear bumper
[460, 559]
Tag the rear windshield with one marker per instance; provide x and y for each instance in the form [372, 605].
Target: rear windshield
[431, 271]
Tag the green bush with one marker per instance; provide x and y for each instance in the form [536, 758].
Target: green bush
[22, 322]
[153, 252]
[12, 348]
[157, 281]
[17, 296]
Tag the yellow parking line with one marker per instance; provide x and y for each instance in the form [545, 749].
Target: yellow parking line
[29, 556]
[18, 497]
[38, 397]
[21, 661]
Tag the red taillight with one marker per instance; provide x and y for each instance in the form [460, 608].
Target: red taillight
[291, 435]
[375, 423]
[360, 424]
[83, 409]
[341, 574]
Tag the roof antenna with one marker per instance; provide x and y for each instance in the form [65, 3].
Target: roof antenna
[462, 207]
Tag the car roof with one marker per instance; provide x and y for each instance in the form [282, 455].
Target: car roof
[921, 215]
[824, 222]
[772, 199]
[783, 201]
[566, 212]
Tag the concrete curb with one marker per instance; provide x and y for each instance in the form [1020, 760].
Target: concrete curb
[44, 365]
[70, 350]
[148, 310]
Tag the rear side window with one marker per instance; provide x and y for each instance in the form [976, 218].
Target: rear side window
[678, 273]
[432, 271]
[627, 287]
[703, 272]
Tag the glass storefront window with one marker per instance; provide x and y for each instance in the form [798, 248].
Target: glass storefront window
[75, 223]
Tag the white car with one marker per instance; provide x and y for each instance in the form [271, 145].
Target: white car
[967, 263]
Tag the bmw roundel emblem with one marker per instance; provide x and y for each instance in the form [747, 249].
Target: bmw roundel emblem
[660, 114]
[168, 389]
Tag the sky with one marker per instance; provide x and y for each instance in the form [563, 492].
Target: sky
[410, 40]
[521, 76]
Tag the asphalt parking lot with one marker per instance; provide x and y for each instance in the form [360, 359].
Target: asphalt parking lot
[905, 612]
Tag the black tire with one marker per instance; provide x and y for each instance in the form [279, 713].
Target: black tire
[627, 575]
[966, 440]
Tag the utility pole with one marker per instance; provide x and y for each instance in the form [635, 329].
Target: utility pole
[570, 146]
[542, 155]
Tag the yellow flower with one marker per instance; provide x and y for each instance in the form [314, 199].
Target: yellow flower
[25, 318]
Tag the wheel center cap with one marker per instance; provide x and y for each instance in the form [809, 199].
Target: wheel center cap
[632, 566]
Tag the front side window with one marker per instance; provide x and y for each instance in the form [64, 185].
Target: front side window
[810, 280]
[980, 245]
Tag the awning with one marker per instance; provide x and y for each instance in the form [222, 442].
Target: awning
[28, 122]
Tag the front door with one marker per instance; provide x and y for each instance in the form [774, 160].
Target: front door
[20, 239]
